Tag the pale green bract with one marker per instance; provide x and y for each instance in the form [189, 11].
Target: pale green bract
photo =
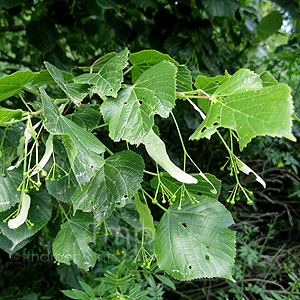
[157, 150]
[23, 213]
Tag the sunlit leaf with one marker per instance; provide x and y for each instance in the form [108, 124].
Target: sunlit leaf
[12, 84]
[9, 115]
[250, 107]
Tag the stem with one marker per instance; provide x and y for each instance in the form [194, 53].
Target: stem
[1, 148]
[23, 100]
[127, 71]
[150, 173]
[62, 209]
[155, 202]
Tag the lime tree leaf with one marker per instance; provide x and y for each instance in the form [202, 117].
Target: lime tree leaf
[131, 114]
[248, 110]
[83, 147]
[146, 218]
[195, 242]
[267, 79]
[145, 59]
[87, 116]
[209, 85]
[7, 245]
[75, 91]
[9, 195]
[242, 80]
[202, 188]
[72, 242]
[12, 84]
[270, 23]
[39, 214]
[11, 141]
[107, 81]
[44, 77]
[9, 114]
[221, 8]
[115, 182]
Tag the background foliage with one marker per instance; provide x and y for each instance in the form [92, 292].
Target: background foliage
[210, 37]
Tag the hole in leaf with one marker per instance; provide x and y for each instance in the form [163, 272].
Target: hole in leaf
[207, 257]
[207, 247]
[199, 194]
[140, 102]
[202, 130]
[190, 267]
[215, 124]
[183, 224]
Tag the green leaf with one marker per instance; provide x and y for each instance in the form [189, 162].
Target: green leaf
[270, 23]
[12, 84]
[87, 116]
[75, 91]
[10, 3]
[107, 4]
[83, 147]
[107, 81]
[221, 8]
[44, 77]
[195, 242]
[88, 289]
[39, 214]
[131, 114]
[8, 189]
[9, 115]
[145, 59]
[249, 111]
[267, 79]
[115, 182]
[72, 242]
[166, 280]
[242, 80]
[146, 218]
[7, 245]
[203, 187]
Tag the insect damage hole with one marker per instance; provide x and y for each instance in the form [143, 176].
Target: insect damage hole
[207, 257]
[190, 267]
[183, 224]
